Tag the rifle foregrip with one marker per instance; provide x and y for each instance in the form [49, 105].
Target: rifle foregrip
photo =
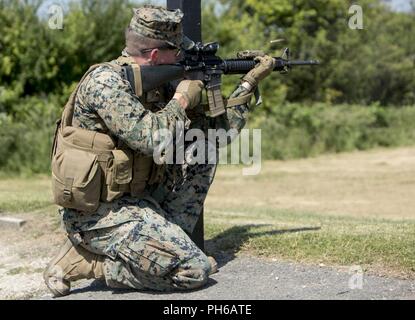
[238, 66]
[242, 66]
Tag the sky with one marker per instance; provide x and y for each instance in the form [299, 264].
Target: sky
[401, 5]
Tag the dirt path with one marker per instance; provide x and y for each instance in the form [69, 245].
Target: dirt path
[25, 253]
[248, 278]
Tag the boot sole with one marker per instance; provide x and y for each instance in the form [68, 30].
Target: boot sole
[46, 274]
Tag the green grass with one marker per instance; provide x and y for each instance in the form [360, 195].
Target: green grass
[376, 244]
[18, 270]
[24, 270]
[24, 195]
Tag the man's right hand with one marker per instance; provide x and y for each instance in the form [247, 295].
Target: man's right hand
[188, 93]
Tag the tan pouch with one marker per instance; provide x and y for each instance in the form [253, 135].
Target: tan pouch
[88, 140]
[76, 179]
[142, 172]
[119, 174]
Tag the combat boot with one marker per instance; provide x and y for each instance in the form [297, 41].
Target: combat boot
[72, 263]
[213, 265]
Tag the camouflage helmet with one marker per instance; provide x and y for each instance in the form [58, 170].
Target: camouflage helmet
[158, 23]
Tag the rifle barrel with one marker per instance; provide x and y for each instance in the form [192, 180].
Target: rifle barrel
[303, 63]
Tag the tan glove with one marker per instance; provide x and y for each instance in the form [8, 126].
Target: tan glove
[191, 90]
[246, 54]
[264, 67]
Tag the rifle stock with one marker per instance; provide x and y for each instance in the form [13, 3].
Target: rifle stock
[155, 76]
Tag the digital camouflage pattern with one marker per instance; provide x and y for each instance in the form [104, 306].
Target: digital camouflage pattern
[105, 103]
[158, 23]
[149, 253]
[145, 239]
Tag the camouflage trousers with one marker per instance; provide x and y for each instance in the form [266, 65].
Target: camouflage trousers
[154, 251]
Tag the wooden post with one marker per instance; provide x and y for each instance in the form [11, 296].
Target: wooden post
[192, 27]
[192, 21]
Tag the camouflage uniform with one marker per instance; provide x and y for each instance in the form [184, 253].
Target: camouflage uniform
[146, 239]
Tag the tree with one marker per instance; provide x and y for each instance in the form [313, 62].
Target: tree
[358, 66]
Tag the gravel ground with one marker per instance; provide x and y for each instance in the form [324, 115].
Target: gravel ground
[248, 278]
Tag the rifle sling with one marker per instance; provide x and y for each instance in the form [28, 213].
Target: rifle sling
[239, 100]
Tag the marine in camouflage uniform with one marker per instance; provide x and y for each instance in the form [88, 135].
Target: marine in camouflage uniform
[141, 242]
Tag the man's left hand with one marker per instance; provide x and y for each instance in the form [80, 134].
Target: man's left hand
[264, 68]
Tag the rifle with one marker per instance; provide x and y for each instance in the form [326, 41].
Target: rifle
[201, 63]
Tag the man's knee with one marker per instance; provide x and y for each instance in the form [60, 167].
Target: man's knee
[192, 274]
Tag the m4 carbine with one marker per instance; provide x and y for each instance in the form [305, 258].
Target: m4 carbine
[201, 63]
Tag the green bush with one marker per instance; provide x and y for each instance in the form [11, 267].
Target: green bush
[294, 130]
[362, 67]
[25, 141]
[39, 68]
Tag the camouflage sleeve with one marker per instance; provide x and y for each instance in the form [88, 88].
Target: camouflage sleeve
[238, 115]
[235, 117]
[123, 114]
